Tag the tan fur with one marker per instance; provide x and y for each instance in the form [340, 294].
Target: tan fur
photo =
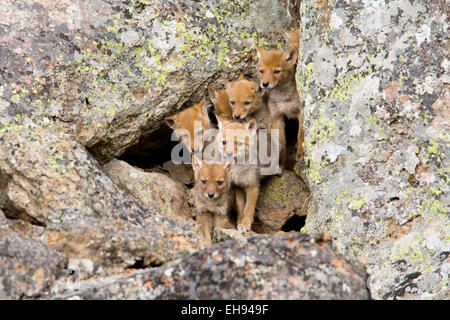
[292, 37]
[219, 99]
[245, 177]
[283, 97]
[212, 178]
[185, 120]
[247, 102]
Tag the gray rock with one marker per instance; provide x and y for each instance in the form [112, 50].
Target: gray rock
[155, 190]
[28, 266]
[280, 198]
[180, 172]
[108, 73]
[296, 266]
[48, 179]
[221, 234]
[377, 138]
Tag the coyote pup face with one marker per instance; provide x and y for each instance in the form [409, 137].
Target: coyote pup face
[213, 179]
[235, 138]
[191, 123]
[245, 97]
[275, 67]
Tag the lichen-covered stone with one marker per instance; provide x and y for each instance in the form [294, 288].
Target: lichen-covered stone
[107, 72]
[374, 78]
[280, 197]
[28, 266]
[156, 190]
[295, 266]
[48, 179]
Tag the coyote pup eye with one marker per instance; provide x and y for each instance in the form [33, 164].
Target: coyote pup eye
[276, 71]
[261, 71]
[203, 181]
[246, 103]
[232, 102]
[219, 182]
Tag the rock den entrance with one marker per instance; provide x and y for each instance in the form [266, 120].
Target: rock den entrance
[282, 202]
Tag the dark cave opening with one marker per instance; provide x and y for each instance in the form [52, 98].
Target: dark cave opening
[291, 129]
[295, 223]
[153, 150]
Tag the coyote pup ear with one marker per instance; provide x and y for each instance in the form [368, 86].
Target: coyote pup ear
[241, 77]
[290, 55]
[171, 122]
[259, 51]
[204, 109]
[257, 89]
[220, 121]
[213, 95]
[291, 36]
[228, 165]
[251, 127]
[228, 85]
[196, 162]
[286, 34]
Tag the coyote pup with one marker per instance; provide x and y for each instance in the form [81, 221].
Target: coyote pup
[247, 102]
[276, 72]
[185, 120]
[213, 195]
[238, 140]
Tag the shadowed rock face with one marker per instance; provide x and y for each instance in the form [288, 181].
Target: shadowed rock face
[374, 78]
[107, 73]
[294, 266]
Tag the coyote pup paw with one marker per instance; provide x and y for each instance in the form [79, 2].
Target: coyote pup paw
[299, 155]
[243, 229]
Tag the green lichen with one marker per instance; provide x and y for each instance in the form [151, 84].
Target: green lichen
[434, 152]
[358, 203]
[278, 190]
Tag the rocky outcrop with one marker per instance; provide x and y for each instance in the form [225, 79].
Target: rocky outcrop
[155, 190]
[84, 82]
[47, 177]
[50, 183]
[374, 78]
[37, 260]
[107, 73]
[295, 266]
